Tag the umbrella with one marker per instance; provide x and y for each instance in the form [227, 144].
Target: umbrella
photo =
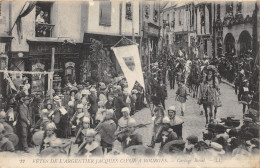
[38, 137]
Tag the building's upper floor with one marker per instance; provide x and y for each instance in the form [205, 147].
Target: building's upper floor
[59, 20]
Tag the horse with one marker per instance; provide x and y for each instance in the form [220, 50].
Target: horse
[194, 79]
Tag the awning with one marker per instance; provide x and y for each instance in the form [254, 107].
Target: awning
[107, 40]
[49, 39]
[4, 38]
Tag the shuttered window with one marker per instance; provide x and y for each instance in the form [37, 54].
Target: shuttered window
[105, 13]
[0, 8]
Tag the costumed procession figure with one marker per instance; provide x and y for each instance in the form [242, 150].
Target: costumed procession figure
[167, 134]
[181, 96]
[82, 128]
[122, 122]
[158, 115]
[107, 129]
[175, 121]
[246, 96]
[42, 122]
[55, 114]
[51, 145]
[130, 137]
[206, 98]
[8, 130]
[214, 88]
[90, 147]
[5, 143]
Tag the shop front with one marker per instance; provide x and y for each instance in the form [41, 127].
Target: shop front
[150, 43]
[66, 65]
[5, 44]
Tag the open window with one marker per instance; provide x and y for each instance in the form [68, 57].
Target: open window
[43, 26]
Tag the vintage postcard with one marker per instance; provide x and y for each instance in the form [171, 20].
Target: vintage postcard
[129, 83]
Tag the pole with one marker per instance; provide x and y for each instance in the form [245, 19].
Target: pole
[52, 70]
[214, 33]
[133, 30]
[148, 42]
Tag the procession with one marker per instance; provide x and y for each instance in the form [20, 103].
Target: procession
[111, 99]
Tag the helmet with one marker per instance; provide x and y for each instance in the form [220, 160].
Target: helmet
[2, 115]
[93, 90]
[125, 109]
[85, 92]
[51, 126]
[131, 122]
[166, 120]
[44, 111]
[172, 108]
[80, 106]
[110, 111]
[86, 120]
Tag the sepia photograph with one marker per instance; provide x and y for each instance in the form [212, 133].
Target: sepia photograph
[129, 83]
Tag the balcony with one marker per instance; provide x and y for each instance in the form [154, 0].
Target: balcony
[43, 29]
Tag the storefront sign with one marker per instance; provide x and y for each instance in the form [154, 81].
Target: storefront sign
[37, 66]
[45, 48]
[69, 64]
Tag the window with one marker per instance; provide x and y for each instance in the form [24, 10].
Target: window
[168, 18]
[229, 8]
[173, 20]
[128, 14]
[218, 11]
[180, 17]
[43, 26]
[205, 46]
[105, 13]
[239, 7]
[0, 8]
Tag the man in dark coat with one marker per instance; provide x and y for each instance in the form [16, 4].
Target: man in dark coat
[119, 104]
[171, 77]
[93, 100]
[161, 93]
[25, 120]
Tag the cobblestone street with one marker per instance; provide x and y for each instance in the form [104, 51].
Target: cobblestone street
[194, 123]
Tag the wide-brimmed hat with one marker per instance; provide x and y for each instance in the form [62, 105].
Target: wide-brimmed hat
[135, 150]
[167, 147]
[56, 98]
[192, 138]
[217, 148]
[25, 98]
[102, 86]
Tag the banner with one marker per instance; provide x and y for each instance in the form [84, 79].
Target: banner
[7, 77]
[129, 60]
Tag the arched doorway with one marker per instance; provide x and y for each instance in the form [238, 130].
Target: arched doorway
[229, 44]
[244, 41]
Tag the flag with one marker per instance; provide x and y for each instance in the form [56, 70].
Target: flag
[129, 60]
[7, 77]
